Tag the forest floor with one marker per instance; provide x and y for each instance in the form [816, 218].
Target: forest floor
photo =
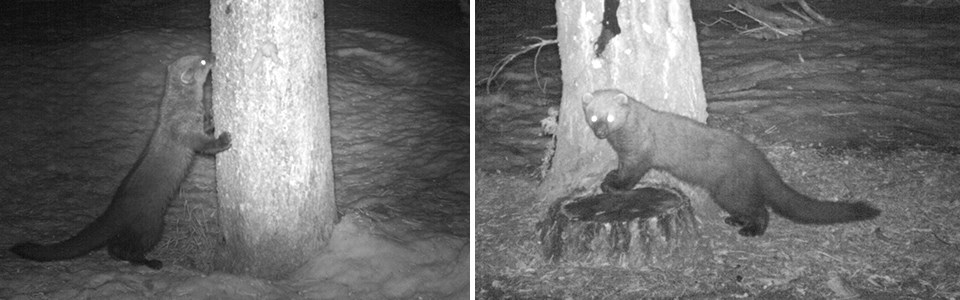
[866, 110]
[78, 96]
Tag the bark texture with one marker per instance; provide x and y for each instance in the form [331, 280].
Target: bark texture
[276, 190]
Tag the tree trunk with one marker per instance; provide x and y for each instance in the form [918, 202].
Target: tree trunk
[276, 194]
[654, 58]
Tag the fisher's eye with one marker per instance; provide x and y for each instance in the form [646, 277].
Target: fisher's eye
[610, 118]
[593, 119]
[203, 62]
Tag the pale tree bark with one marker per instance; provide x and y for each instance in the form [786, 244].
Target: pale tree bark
[276, 192]
[654, 59]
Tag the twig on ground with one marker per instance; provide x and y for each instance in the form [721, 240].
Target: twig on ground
[839, 114]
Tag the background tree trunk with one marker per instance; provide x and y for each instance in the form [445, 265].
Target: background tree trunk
[654, 59]
[276, 194]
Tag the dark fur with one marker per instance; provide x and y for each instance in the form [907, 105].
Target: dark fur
[737, 175]
[133, 223]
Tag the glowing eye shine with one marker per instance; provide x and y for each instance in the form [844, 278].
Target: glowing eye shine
[593, 119]
[610, 118]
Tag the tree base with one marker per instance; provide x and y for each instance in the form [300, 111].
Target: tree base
[650, 225]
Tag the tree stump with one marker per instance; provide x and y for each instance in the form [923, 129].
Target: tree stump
[651, 225]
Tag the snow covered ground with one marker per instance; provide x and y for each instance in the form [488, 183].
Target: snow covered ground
[78, 92]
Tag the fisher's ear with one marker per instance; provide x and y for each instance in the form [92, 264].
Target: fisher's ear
[186, 77]
[621, 99]
[586, 98]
